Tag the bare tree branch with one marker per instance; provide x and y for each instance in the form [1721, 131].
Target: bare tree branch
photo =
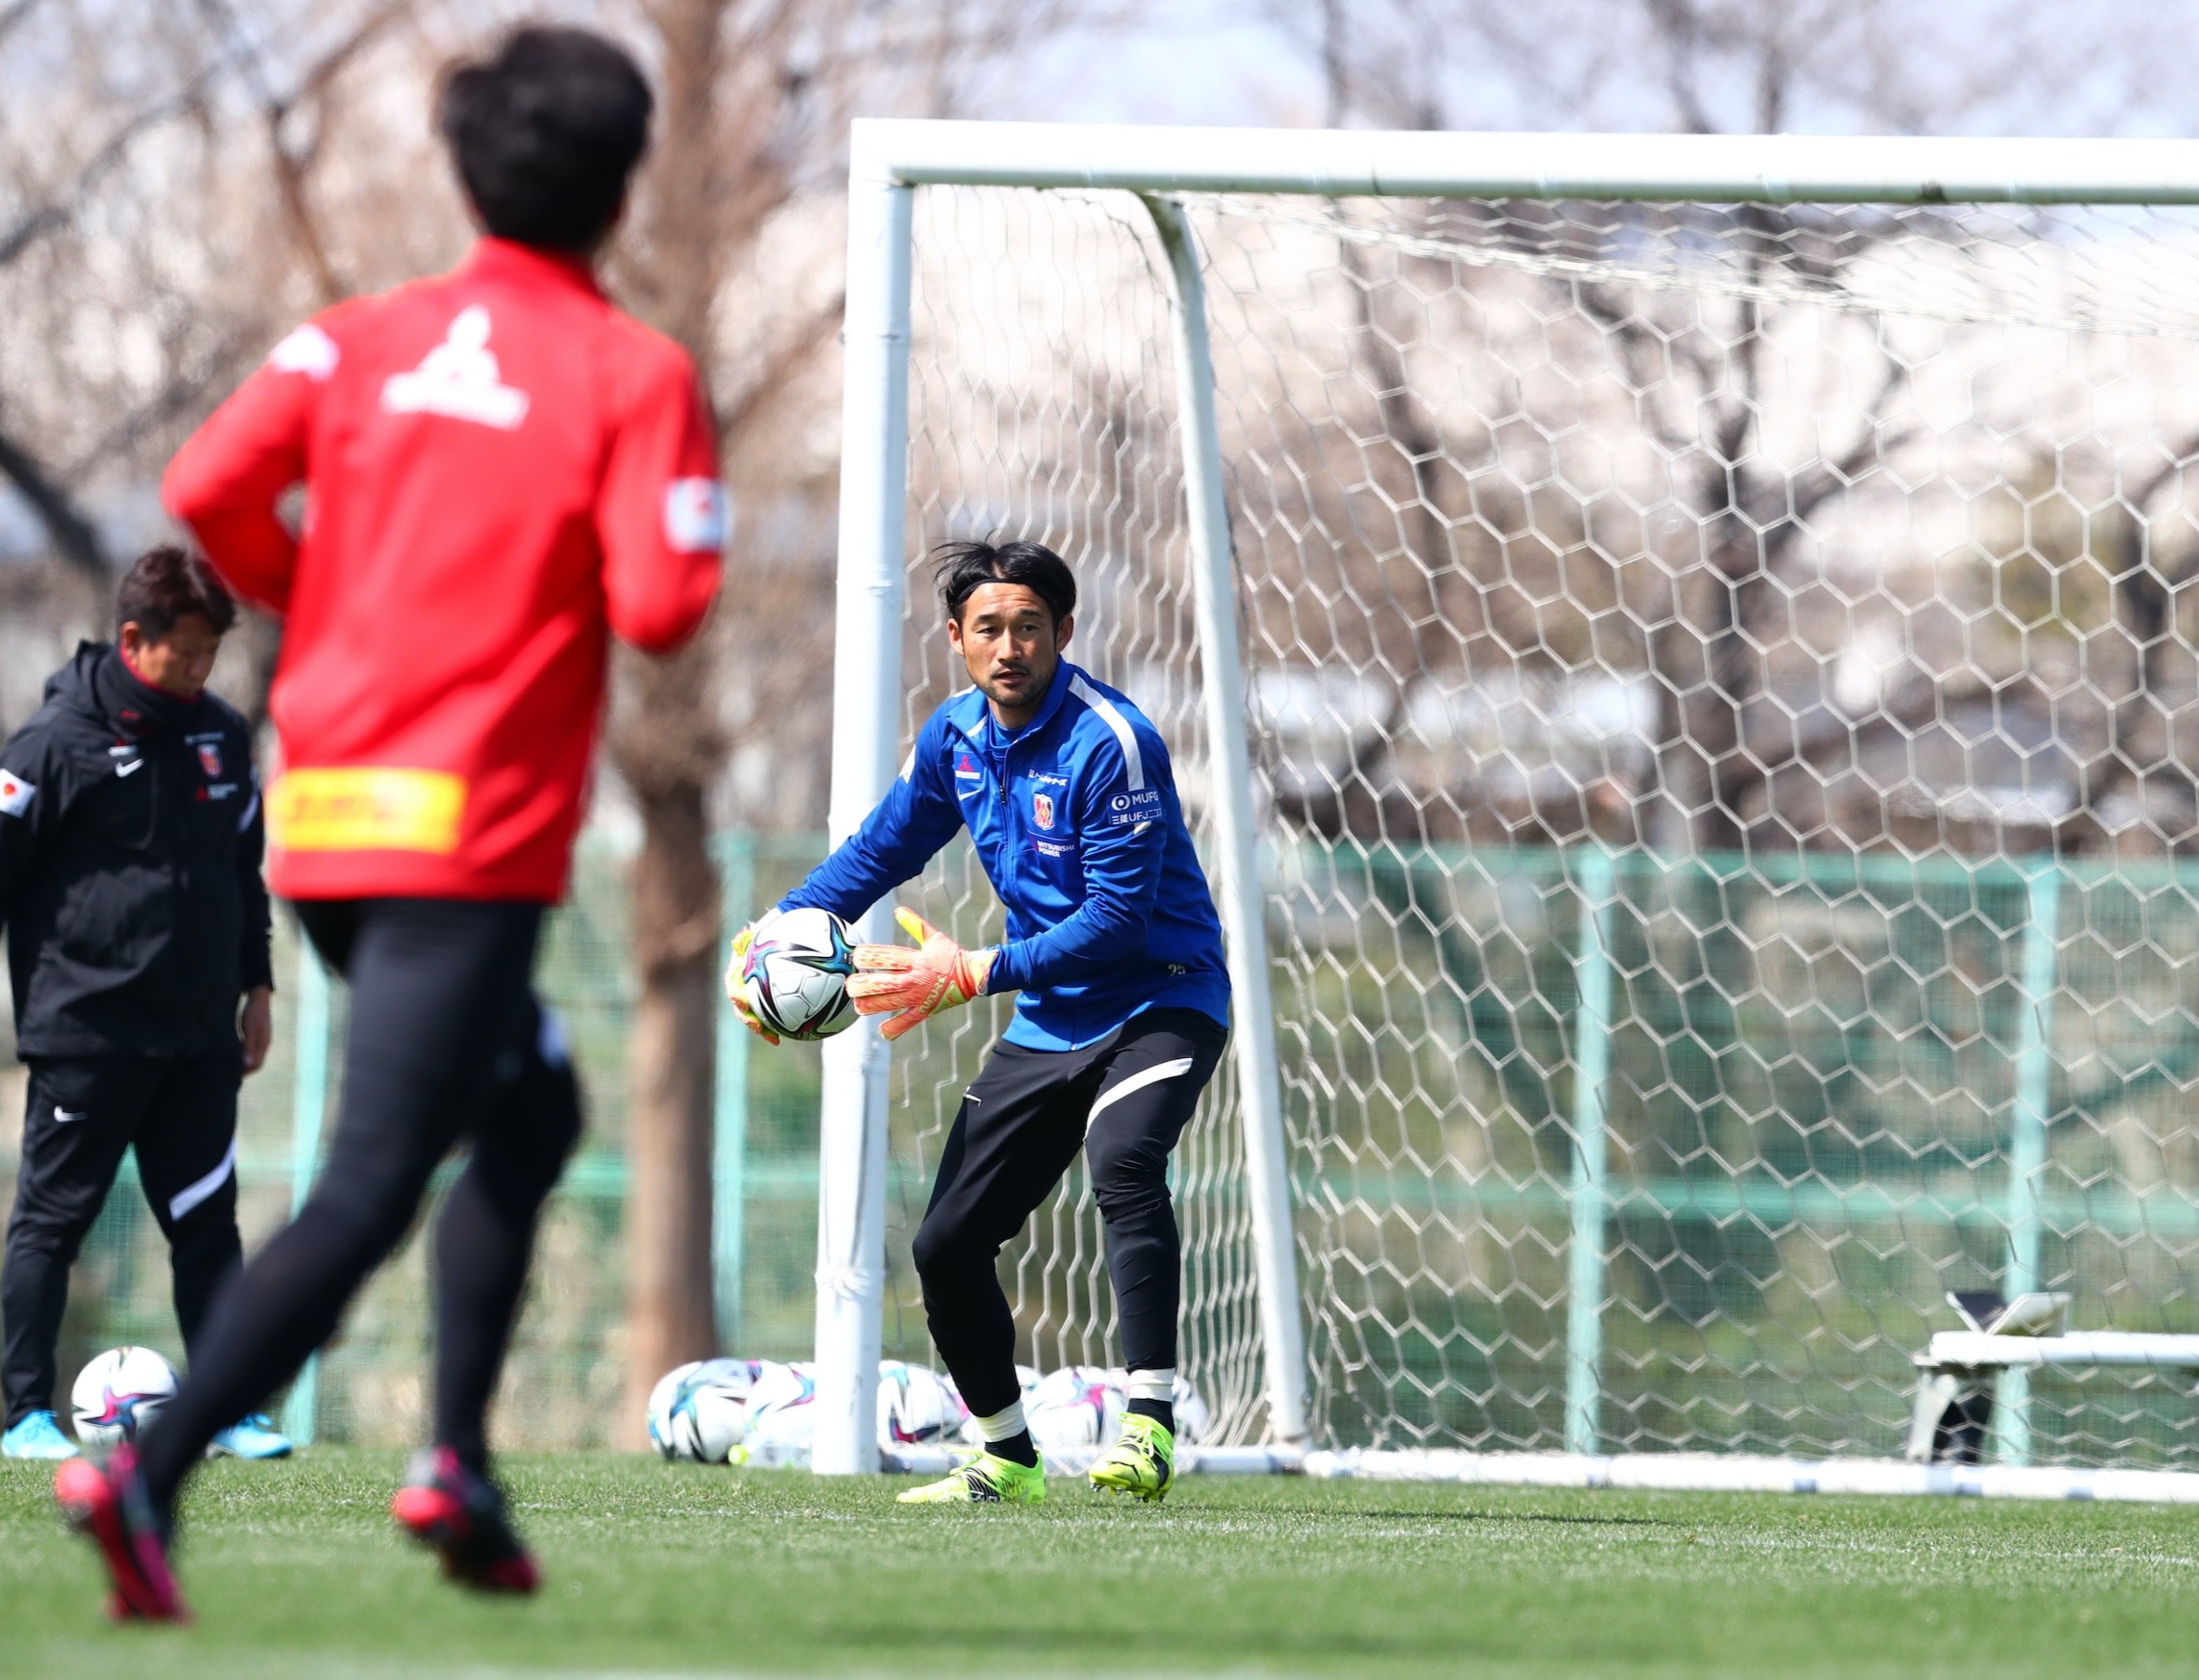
[74, 536]
[175, 398]
[14, 13]
[59, 209]
[293, 163]
[789, 361]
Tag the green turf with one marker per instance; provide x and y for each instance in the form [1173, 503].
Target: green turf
[657, 1568]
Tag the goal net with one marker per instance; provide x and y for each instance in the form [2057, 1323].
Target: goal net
[1724, 728]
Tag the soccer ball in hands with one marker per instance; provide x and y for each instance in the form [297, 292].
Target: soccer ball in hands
[118, 1393]
[795, 974]
[699, 1411]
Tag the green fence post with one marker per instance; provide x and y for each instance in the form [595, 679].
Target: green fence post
[729, 1146]
[1588, 1196]
[2028, 1140]
[308, 1108]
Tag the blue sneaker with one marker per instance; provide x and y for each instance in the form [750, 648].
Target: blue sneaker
[37, 1437]
[255, 1437]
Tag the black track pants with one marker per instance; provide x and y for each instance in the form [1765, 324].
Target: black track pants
[447, 1042]
[1124, 1101]
[180, 1114]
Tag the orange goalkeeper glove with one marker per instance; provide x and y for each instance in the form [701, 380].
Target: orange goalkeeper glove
[732, 987]
[915, 984]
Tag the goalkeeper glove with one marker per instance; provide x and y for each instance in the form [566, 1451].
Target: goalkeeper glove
[915, 984]
[732, 987]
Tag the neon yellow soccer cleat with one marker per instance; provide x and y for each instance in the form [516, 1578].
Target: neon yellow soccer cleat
[984, 1481]
[1142, 1461]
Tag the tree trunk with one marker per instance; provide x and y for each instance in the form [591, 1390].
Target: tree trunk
[668, 746]
[671, 1078]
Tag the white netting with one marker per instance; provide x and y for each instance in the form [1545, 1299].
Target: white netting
[1771, 621]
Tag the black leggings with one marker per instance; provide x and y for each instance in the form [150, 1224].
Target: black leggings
[447, 1042]
[1124, 1101]
[179, 1114]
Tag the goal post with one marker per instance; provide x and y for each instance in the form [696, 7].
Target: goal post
[1611, 1007]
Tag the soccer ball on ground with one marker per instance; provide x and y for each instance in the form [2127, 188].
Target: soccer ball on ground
[699, 1411]
[916, 1407]
[793, 977]
[1083, 1406]
[1078, 1406]
[1193, 1418]
[782, 1416]
[118, 1393]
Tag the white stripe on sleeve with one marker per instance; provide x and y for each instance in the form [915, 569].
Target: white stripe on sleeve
[1116, 721]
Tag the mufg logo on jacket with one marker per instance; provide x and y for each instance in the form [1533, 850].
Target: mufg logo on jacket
[459, 379]
[1042, 810]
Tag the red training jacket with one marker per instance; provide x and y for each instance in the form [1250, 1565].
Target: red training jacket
[502, 471]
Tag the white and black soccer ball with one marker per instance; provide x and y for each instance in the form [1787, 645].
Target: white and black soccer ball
[795, 974]
[1080, 1405]
[118, 1393]
[699, 1411]
[916, 1407]
[782, 1416]
[1193, 1417]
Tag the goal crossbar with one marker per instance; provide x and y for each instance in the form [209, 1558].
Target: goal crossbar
[890, 161]
[1782, 169]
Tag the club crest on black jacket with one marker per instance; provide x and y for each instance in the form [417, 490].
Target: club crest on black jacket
[130, 887]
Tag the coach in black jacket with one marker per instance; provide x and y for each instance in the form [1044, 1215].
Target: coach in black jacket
[130, 841]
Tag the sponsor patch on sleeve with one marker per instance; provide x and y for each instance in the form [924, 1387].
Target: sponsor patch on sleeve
[698, 516]
[16, 794]
[1128, 810]
[308, 350]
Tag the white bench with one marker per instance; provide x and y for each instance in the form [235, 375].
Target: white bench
[1959, 1372]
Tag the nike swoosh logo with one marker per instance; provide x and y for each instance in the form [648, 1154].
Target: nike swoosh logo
[134, 765]
[63, 1117]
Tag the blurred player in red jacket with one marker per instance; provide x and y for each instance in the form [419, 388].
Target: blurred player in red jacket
[502, 471]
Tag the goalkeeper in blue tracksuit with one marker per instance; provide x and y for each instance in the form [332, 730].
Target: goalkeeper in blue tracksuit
[1115, 953]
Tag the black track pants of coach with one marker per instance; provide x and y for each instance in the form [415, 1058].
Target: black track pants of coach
[180, 1114]
[1124, 1101]
[447, 1042]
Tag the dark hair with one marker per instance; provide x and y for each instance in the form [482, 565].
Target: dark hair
[546, 133]
[962, 568]
[167, 584]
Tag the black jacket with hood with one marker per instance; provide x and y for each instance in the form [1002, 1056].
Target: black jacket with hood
[130, 842]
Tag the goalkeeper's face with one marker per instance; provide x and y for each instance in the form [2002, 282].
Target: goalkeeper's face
[1011, 643]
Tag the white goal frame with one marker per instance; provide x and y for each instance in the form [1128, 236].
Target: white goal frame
[890, 160]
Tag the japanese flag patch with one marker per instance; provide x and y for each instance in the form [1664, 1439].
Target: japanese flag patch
[16, 794]
[698, 516]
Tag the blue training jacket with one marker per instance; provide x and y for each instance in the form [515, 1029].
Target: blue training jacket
[1077, 825]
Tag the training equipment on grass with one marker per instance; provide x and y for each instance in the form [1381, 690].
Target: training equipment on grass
[117, 1393]
[916, 1405]
[1668, 643]
[782, 1416]
[793, 976]
[1080, 1406]
[699, 1411]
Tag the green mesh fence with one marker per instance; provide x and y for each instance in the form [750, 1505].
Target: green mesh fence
[1832, 1087]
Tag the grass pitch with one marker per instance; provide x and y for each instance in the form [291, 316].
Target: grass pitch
[657, 1568]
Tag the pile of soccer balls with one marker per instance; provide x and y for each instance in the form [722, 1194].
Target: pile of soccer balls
[760, 1411]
